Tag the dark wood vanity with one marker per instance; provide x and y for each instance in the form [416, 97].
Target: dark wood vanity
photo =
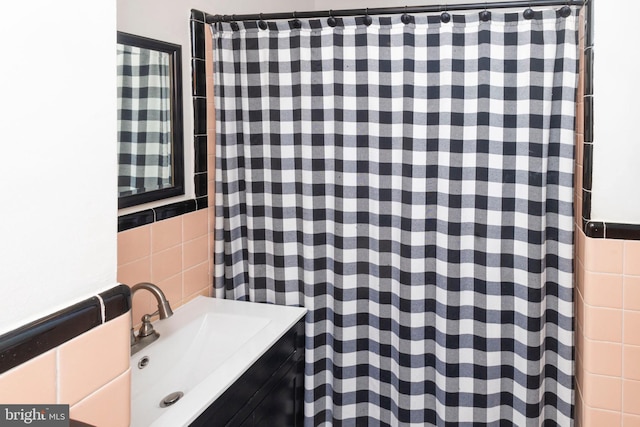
[269, 394]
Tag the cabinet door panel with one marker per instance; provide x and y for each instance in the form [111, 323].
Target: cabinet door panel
[279, 407]
[264, 381]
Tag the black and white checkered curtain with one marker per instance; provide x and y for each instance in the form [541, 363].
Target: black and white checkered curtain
[411, 186]
[144, 120]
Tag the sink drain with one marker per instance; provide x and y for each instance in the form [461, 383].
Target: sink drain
[171, 399]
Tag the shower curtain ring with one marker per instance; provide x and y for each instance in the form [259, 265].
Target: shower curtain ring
[565, 12]
[332, 20]
[261, 23]
[296, 21]
[445, 17]
[234, 24]
[405, 18]
[217, 22]
[485, 15]
[528, 13]
[367, 18]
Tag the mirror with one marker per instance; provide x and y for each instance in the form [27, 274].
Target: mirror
[150, 135]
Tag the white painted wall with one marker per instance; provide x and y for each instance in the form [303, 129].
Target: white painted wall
[616, 171]
[58, 220]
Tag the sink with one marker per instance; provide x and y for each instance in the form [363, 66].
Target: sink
[203, 348]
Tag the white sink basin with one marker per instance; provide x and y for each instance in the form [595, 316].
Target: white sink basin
[203, 348]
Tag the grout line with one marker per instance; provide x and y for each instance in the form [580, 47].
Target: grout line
[582, 404]
[57, 356]
[103, 314]
[624, 268]
[608, 411]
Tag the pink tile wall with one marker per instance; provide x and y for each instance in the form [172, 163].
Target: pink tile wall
[176, 254]
[95, 383]
[173, 254]
[607, 331]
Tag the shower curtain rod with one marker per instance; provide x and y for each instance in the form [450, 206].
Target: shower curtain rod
[390, 10]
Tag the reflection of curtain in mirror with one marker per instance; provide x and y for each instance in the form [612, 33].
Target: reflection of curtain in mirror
[144, 116]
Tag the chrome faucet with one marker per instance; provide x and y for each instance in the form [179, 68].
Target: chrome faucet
[146, 333]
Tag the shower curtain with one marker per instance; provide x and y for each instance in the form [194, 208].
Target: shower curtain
[411, 185]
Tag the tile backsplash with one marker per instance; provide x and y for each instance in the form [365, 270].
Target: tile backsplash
[83, 364]
[607, 303]
[173, 254]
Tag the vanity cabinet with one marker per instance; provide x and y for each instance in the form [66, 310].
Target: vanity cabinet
[269, 393]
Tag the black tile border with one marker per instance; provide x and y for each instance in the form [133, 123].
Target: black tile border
[595, 229]
[199, 86]
[200, 150]
[197, 15]
[76, 423]
[137, 219]
[589, 30]
[586, 204]
[202, 202]
[175, 209]
[199, 115]
[588, 117]
[201, 184]
[35, 338]
[117, 301]
[197, 27]
[622, 231]
[588, 70]
[587, 170]
[197, 36]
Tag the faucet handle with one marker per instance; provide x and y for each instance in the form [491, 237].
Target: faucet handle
[147, 328]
